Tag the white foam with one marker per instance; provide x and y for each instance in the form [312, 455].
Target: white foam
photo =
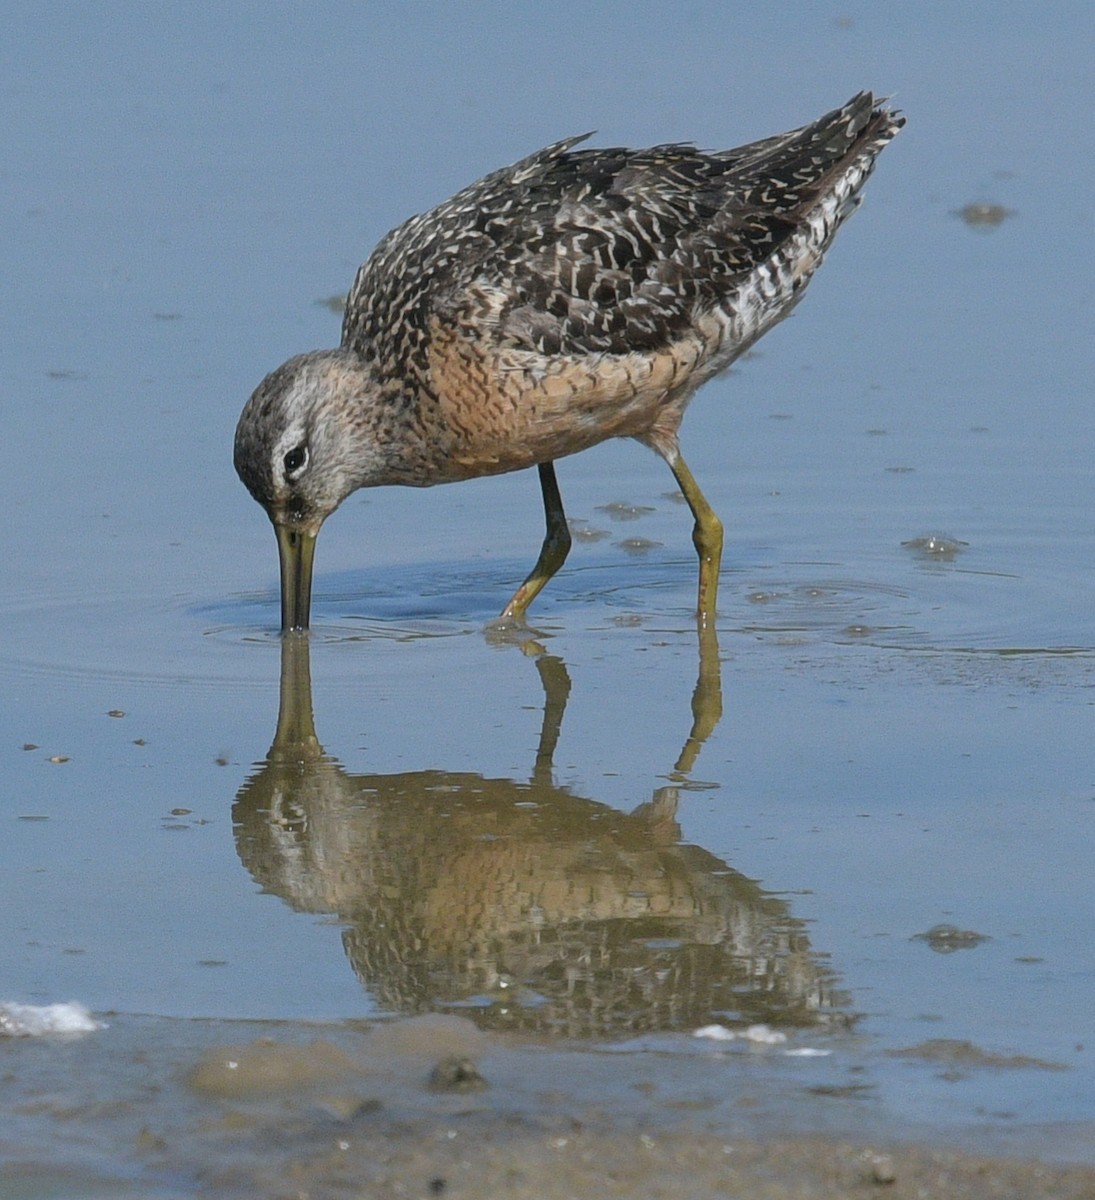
[763, 1035]
[717, 1033]
[40, 1020]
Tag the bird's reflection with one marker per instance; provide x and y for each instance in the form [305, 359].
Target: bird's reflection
[519, 903]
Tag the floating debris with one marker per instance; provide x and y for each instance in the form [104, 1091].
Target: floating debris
[621, 511]
[582, 531]
[945, 939]
[638, 545]
[984, 215]
[940, 546]
[842, 1091]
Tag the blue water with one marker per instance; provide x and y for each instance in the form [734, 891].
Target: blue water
[905, 738]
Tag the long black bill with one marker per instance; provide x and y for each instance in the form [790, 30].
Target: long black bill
[296, 550]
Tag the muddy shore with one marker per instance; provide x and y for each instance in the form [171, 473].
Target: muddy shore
[432, 1106]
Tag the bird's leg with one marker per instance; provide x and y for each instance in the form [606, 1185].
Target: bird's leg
[552, 553]
[706, 537]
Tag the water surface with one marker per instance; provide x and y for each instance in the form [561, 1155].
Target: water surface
[609, 833]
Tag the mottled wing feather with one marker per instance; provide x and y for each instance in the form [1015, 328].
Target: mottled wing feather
[590, 252]
[424, 261]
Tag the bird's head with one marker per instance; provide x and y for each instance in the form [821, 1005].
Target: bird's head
[299, 454]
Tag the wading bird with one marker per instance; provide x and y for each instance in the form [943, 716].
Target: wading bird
[575, 296]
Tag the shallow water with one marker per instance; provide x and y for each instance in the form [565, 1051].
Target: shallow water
[609, 832]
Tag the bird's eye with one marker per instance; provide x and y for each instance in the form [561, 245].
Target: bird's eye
[295, 461]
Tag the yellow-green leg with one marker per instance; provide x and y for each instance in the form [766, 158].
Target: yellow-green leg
[553, 552]
[706, 537]
[706, 699]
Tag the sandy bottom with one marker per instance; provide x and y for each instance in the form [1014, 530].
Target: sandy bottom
[432, 1106]
[493, 1159]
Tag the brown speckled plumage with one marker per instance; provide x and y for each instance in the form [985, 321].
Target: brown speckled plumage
[575, 296]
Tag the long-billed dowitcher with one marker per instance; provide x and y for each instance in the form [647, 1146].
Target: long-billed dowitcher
[575, 296]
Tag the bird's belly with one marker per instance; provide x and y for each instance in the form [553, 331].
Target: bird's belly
[514, 408]
[516, 418]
